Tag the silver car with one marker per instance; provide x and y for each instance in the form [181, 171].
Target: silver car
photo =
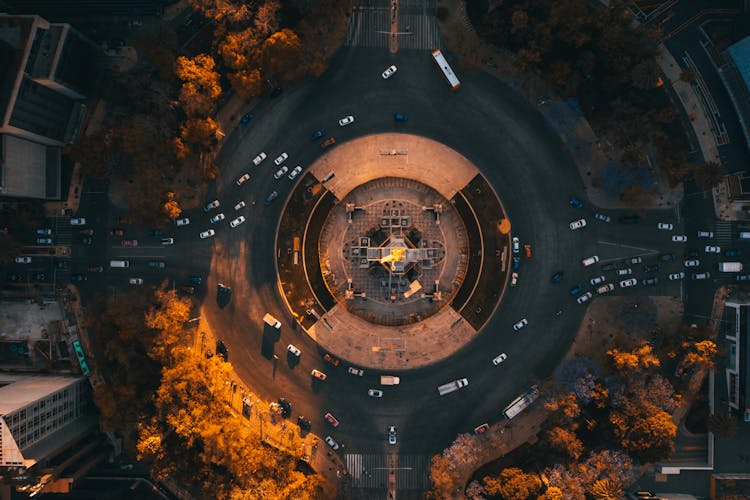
[207, 234]
[389, 72]
[281, 159]
[375, 393]
[280, 172]
[521, 324]
[499, 359]
[236, 222]
[259, 158]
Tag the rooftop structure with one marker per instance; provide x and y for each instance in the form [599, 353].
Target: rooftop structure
[735, 74]
[736, 329]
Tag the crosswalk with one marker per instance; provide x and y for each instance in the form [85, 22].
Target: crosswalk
[723, 233]
[370, 26]
[372, 470]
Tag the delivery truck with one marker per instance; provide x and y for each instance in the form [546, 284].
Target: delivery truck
[452, 386]
[730, 267]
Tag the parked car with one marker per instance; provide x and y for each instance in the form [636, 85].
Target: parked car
[519, 325]
[155, 232]
[664, 226]
[375, 393]
[575, 202]
[256, 161]
[129, 243]
[705, 234]
[577, 224]
[692, 263]
[318, 134]
[628, 283]
[280, 172]
[81, 221]
[597, 280]
[207, 234]
[44, 232]
[666, 257]
[79, 277]
[576, 289]
[331, 359]
[195, 280]
[679, 238]
[584, 298]
[389, 72]
[135, 281]
[319, 374]
[391, 434]
[712, 249]
[634, 260]
[217, 218]
[701, 276]
[236, 222]
[239, 206]
[295, 172]
[400, 117]
[211, 205]
[557, 277]
[86, 232]
[650, 281]
[246, 118]
[677, 276]
[513, 279]
[331, 419]
[328, 142]
[743, 277]
[157, 264]
[516, 245]
[87, 240]
[347, 120]
[330, 442]
[516, 262]
[294, 350]
[243, 179]
[357, 372]
[182, 222]
[23, 260]
[605, 288]
[602, 217]
[624, 272]
[270, 197]
[732, 253]
[527, 250]
[588, 261]
[44, 241]
[280, 159]
[651, 268]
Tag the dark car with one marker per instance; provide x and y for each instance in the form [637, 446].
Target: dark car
[576, 289]
[78, 277]
[400, 117]
[116, 231]
[629, 219]
[269, 199]
[650, 281]
[318, 134]
[732, 253]
[304, 423]
[575, 202]
[221, 350]
[276, 92]
[331, 359]
[692, 254]
[666, 257]
[328, 142]
[15, 278]
[557, 277]
[609, 267]
[87, 240]
[157, 264]
[516, 262]
[743, 277]
[651, 268]
[155, 232]
[286, 407]
[246, 118]
[61, 264]
[40, 277]
[195, 280]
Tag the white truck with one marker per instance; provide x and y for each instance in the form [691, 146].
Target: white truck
[730, 267]
[521, 402]
[271, 321]
[389, 380]
[453, 386]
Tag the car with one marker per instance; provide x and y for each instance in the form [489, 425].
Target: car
[692, 254]
[624, 272]
[664, 226]
[276, 92]
[527, 250]
[157, 264]
[239, 206]
[79, 277]
[609, 267]
[187, 290]
[712, 249]
[129, 243]
[679, 238]
[732, 253]
[516, 245]
[481, 429]
[217, 218]
[651, 268]
[358, 372]
[319, 374]
[588, 261]
[676, 276]
[195, 280]
[286, 407]
[182, 222]
[602, 217]
[391, 434]
[597, 280]
[116, 231]
[705, 234]
[280, 159]
[44, 241]
[262, 156]
[23, 260]
[318, 134]
[516, 262]
[15, 278]
[280, 172]
[389, 72]
[635, 260]
[155, 232]
[629, 219]
[575, 290]
[575, 202]
[294, 173]
[375, 393]
[330, 442]
[331, 419]
[577, 224]
[328, 142]
[585, 297]
[87, 240]
[243, 179]
[81, 221]
[605, 288]
[628, 283]
[44, 232]
[557, 277]
[304, 423]
[743, 277]
[294, 350]
[650, 281]
[666, 257]
[246, 118]
[61, 264]
[692, 263]
[135, 281]
[223, 289]
[271, 197]
[207, 234]
[701, 276]
[236, 222]
[347, 120]
[520, 324]
[40, 277]
[331, 359]
[86, 232]
[513, 279]
[401, 117]
[211, 205]
[499, 359]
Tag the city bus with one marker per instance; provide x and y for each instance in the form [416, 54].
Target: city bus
[448, 73]
[521, 402]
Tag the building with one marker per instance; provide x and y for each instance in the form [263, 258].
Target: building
[735, 328]
[47, 71]
[59, 10]
[735, 74]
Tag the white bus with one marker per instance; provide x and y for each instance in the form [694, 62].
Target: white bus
[448, 73]
[521, 402]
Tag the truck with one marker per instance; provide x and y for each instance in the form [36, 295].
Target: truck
[521, 402]
[730, 267]
[452, 386]
[271, 321]
[389, 380]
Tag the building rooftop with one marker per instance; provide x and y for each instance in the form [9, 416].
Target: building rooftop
[18, 391]
[740, 54]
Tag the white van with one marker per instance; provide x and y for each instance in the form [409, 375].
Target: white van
[745, 236]
[119, 263]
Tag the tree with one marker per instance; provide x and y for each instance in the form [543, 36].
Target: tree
[648, 436]
[10, 248]
[199, 134]
[565, 480]
[248, 83]
[564, 441]
[699, 355]
[708, 175]
[444, 478]
[282, 55]
[200, 88]
[515, 484]
[723, 424]
[642, 357]
[168, 317]
[553, 493]
[519, 21]
[565, 404]
[171, 207]
[606, 489]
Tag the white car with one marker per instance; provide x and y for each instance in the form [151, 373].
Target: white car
[597, 280]
[692, 263]
[664, 226]
[628, 283]
[375, 393]
[392, 429]
[389, 72]
[207, 234]
[577, 224]
[514, 279]
[713, 249]
[239, 206]
[78, 222]
[333, 444]
[520, 324]
[211, 206]
[605, 288]
[294, 350]
[256, 161]
[167, 241]
[358, 372]
[236, 222]
[294, 173]
[677, 276]
[244, 178]
[182, 222]
[624, 272]
[588, 261]
[516, 245]
[23, 260]
[705, 234]
[701, 276]
[217, 218]
[281, 159]
[280, 172]
[499, 359]
[135, 281]
[347, 120]
[585, 297]
[679, 238]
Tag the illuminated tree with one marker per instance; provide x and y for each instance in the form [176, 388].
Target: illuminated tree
[516, 484]
[199, 134]
[552, 493]
[200, 88]
[247, 84]
[171, 208]
[709, 175]
[649, 436]
[565, 404]
[606, 489]
[699, 355]
[168, 317]
[282, 55]
[640, 357]
[564, 441]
